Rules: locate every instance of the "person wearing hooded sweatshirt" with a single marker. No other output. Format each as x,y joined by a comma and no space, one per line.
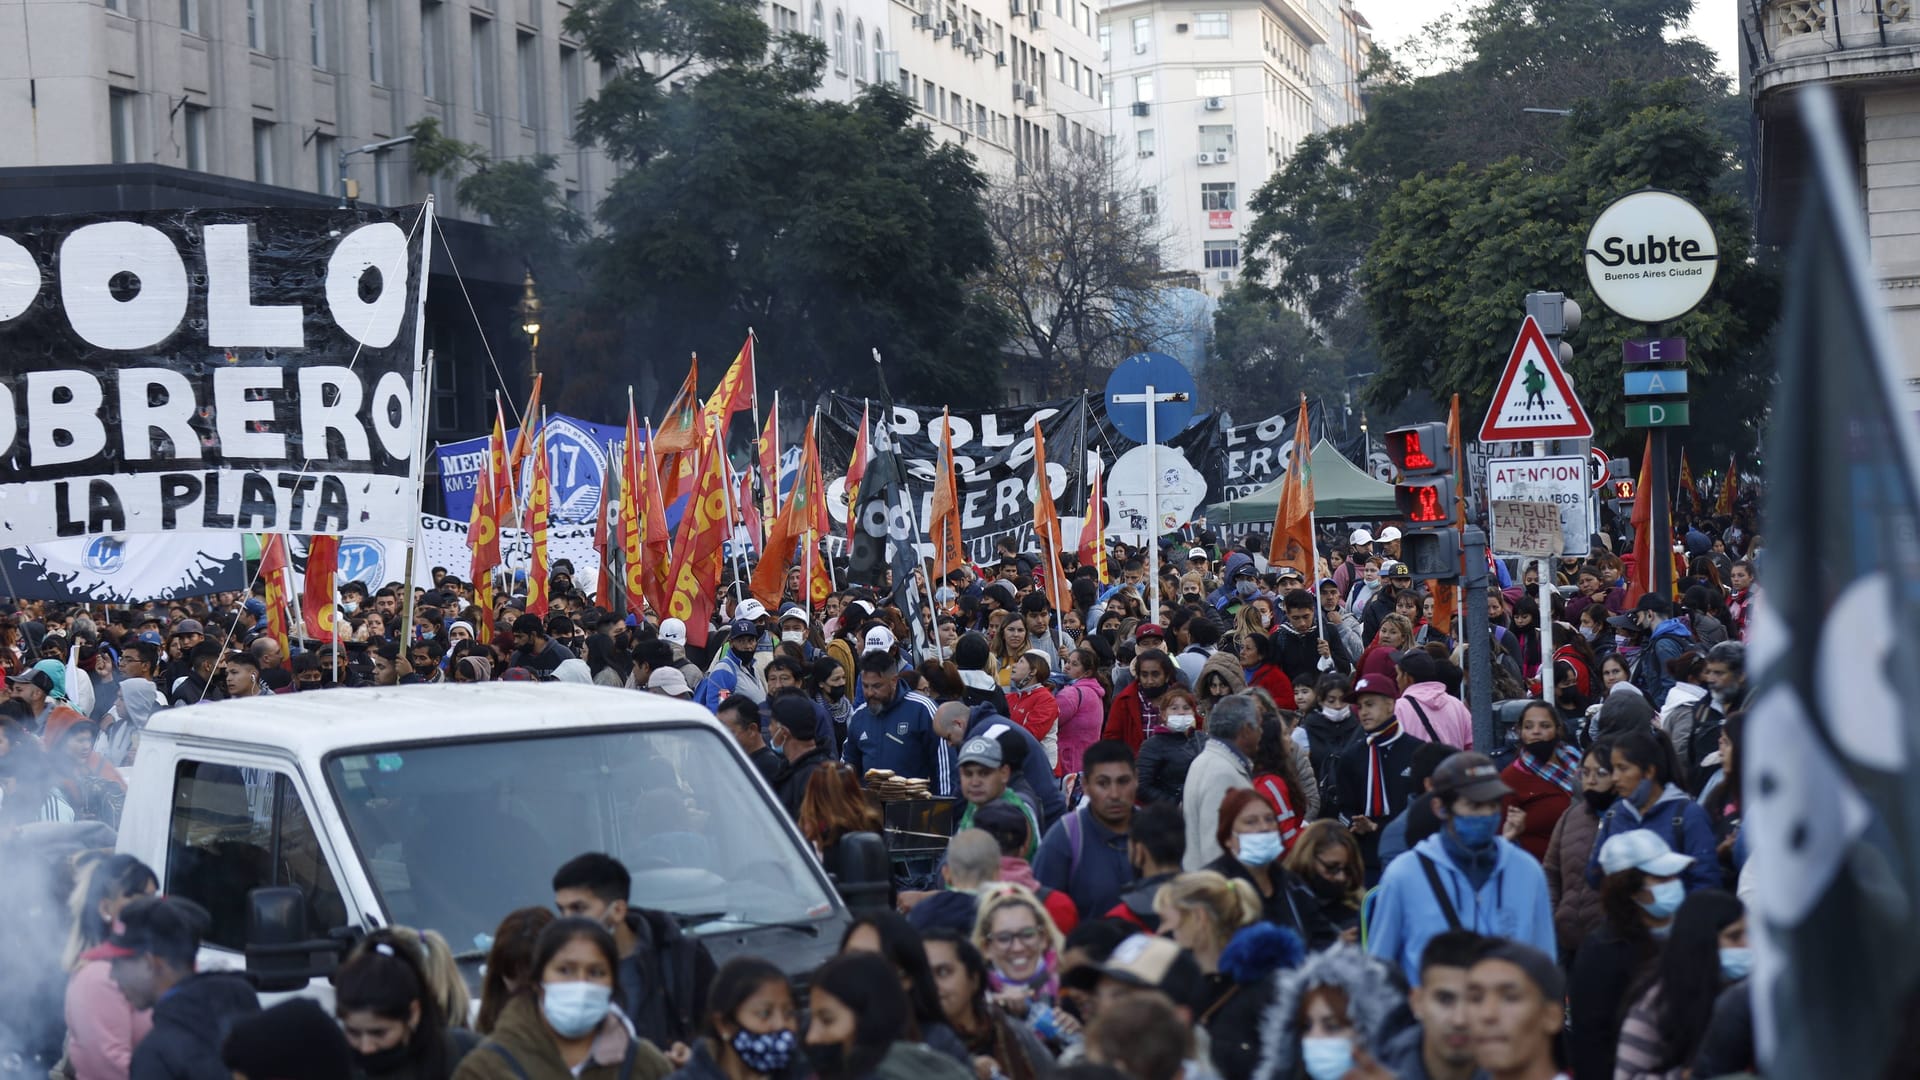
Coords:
1239,582
1667,638
1650,800
152,951
1465,877
1338,1001
1425,710
1330,728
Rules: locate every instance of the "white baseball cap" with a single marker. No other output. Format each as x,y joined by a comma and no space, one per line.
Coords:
1644,850
1196,553
1360,536
1389,534
879,639
673,630
750,609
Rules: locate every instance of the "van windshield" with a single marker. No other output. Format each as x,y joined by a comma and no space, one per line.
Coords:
456,835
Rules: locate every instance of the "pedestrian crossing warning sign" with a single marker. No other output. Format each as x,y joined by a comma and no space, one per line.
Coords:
1535,399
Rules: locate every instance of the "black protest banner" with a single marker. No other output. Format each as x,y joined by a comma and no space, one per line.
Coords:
209,370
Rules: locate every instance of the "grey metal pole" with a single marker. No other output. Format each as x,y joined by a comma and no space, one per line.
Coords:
1473,587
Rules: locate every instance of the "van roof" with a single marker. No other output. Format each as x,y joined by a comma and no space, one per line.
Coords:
314,723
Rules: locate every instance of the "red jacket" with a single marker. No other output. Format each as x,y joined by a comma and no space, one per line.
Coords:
1036,710
1124,719
1270,678
1542,800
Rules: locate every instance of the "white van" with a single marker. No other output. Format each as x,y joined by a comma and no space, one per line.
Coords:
302,821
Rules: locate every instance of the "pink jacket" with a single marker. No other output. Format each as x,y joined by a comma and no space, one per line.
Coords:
102,1029
1083,712
1452,722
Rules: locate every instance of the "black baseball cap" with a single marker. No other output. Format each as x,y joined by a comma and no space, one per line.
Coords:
1470,775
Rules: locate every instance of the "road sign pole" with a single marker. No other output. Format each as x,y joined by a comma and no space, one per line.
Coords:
1473,586
1661,525
1153,504
1547,687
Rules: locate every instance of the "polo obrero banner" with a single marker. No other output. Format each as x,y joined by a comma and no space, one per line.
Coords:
209,370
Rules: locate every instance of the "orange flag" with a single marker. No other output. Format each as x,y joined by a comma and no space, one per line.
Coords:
679,429
1641,582
632,516
483,531
1444,596
277,572
1046,524
856,472
1093,548
540,501
316,598
1292,542
1684,495
657,544
1729,488
948,553
603,539
529,420
812,488
770,465
735,392
698,556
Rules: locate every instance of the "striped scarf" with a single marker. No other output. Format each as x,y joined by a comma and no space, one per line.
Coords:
1562,769
1376,806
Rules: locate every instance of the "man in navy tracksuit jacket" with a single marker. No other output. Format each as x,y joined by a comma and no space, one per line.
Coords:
893,730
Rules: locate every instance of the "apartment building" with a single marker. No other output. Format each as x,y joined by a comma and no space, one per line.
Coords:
1211,98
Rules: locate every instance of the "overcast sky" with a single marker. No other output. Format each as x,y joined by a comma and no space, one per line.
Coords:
1394,21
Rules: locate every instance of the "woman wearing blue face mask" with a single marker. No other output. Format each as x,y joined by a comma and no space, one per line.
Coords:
1639,894
562,1024
1644,776
1334,1005
752,1028
1706,953
1249,835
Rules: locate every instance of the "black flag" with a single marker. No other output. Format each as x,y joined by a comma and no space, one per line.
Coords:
1828,749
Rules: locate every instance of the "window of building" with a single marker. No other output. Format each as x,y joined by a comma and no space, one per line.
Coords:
526,57
120,124
1106,91
1074,10
1212,24
860,50
1149,203
319,19
117,5
1106,41
930,97
480,31
1086,17
326,164
256,25
1060,66
1143,88
1213,82
1221,254
1215,138
377,41
263,151
879,56
570,87
818,26
1147,140
190,16
433,50
1142,33
195,125
235,830
1216,196
839,46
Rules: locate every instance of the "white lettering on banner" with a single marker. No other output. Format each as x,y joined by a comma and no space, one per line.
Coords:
93,257
232,319
63,417
1526,527
236,412
19,278
141,416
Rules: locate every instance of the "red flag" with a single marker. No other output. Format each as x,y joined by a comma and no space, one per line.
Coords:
632,522
1684,497
812,488
277,572
1046,525
658,546
540,500
857,471
1729,488
316,598
770,464
1641,582
697,558
679,429
529,421
948,552
735,392
1292,542
602,529
483,529
797,528
1093,547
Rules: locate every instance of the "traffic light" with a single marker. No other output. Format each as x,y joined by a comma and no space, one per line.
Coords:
1558,316
1424,497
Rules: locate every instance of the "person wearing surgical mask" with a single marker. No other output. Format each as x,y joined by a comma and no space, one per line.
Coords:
751,1029
1640,894
1336,1006
1327,722
1706,953
1170,748
564,1024
1251,849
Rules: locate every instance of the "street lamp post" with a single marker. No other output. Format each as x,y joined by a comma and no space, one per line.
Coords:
348,190
530,323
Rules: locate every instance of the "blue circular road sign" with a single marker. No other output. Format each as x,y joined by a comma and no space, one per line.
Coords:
1130,379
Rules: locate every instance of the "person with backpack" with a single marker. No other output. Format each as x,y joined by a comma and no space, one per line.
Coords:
663,974
1084,854
1643,767
1464,877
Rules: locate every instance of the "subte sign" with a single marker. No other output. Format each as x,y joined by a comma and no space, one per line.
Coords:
1651,256
1559,480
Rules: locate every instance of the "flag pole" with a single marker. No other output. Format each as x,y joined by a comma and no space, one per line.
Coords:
653,474
726,495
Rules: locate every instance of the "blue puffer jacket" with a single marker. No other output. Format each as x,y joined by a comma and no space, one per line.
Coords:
1694,836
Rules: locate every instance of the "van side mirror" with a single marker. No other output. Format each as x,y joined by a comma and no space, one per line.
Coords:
863,872
282,956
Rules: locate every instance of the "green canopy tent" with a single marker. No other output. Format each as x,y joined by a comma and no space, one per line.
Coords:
1340,492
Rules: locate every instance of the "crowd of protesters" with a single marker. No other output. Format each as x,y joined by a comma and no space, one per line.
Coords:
1249,835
